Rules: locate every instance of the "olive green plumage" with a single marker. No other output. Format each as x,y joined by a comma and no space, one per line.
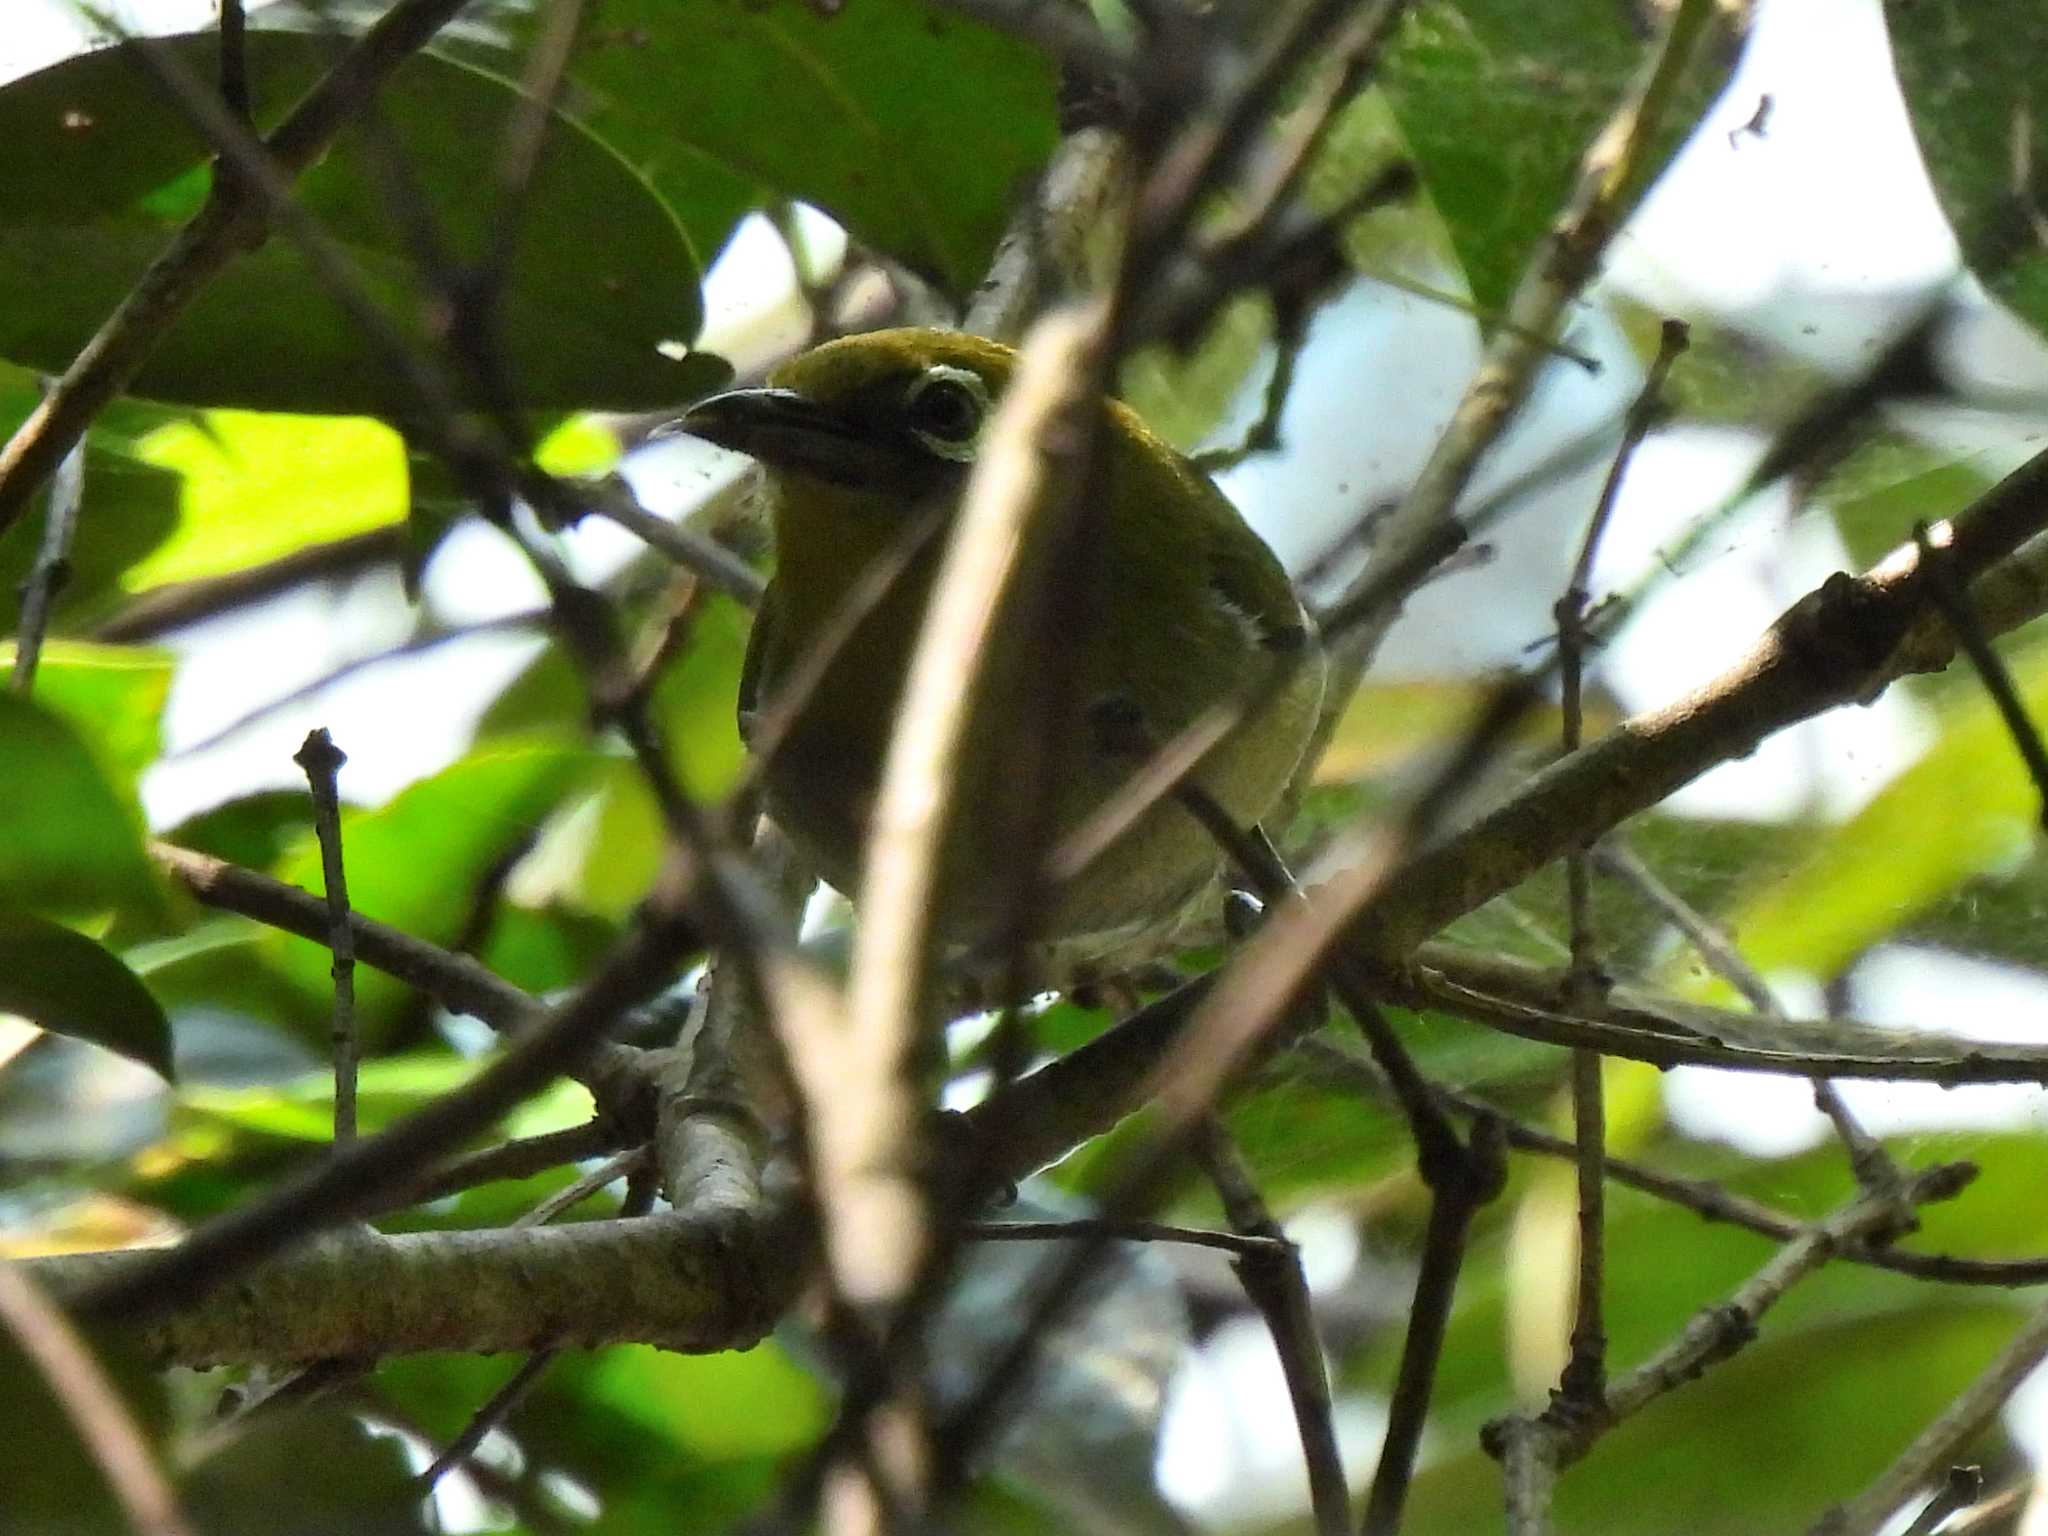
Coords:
865,437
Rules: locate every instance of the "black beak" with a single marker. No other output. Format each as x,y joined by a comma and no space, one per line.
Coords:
789,431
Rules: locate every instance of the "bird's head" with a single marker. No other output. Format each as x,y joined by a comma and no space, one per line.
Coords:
899,412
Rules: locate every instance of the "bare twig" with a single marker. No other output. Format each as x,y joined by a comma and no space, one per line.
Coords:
234,58
520,1158
1937,1444
1274,1283
1585,1372
1997,681
495,1410
1239,1244
322,759
1960,1488
111,1436
52,568
1483,1174
1872,1164
1534,1448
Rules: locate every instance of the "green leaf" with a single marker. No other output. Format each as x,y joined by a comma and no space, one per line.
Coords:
1499,100
252,830
416,863
113,695
67,983
69,843
1966,807
254,486
128,508
1972,81
911,125
98,169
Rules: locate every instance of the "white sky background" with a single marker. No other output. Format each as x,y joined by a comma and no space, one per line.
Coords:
1818,232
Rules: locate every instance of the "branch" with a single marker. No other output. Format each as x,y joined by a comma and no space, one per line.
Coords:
692,1281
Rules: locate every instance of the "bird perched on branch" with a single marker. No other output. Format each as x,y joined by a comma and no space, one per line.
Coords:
1167,605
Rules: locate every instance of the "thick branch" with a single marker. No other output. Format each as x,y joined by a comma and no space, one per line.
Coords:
682,1281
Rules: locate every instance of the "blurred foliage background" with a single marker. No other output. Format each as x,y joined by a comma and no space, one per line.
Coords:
724,178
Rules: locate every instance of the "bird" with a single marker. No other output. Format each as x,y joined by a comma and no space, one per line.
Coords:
866,444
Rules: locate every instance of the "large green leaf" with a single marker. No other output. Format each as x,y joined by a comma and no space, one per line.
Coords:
98,169
909,124
69,841
1499,99
416,863
66,982
1972,78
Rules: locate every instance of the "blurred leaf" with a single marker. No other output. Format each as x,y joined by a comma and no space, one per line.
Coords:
113,695
317,1470
128,508
696,699
544,951
69,841
914,127
54,1485
416,862
98,168
254,486
66,982
251,830
1980,114
1966,807
1499,100
1892,482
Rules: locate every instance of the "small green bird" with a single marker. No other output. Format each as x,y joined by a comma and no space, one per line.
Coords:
867,437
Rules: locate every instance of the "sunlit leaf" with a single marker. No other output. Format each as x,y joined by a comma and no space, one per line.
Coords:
255,485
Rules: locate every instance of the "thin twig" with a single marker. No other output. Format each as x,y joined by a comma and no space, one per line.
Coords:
495,1410
610,1171
109,1431
52,568
1872,1165
520,1158
234,59
1997,681
1451,1209
1274,1284
1585,1371
1937,1444
1961,1488
1534,1448
322,759
1238,1244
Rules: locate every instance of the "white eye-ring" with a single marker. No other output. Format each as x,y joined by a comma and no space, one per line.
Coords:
944,409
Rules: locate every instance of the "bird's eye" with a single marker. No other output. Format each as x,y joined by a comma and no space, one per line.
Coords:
945,407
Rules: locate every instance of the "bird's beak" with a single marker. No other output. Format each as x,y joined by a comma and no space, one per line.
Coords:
786,430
